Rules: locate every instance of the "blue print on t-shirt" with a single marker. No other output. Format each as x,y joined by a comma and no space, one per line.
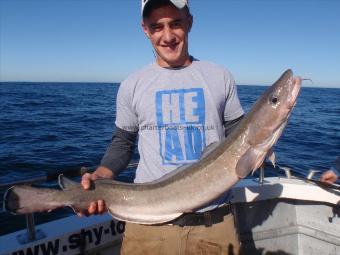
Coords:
180,120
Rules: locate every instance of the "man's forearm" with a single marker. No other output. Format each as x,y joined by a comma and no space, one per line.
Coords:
119,152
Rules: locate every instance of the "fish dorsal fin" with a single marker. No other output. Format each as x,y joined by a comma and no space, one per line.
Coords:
66,183
209,149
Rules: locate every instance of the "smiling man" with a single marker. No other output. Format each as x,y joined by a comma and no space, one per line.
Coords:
177,105
168,30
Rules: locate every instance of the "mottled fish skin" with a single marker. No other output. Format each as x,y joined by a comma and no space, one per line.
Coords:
187,188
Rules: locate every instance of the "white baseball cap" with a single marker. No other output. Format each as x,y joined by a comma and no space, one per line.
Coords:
178,3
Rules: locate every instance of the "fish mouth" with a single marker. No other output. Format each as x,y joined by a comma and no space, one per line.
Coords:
294,87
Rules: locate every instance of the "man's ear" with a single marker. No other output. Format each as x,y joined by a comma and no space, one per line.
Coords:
145,29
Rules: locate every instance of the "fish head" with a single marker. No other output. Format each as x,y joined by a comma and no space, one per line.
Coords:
267,119
281,97
272,110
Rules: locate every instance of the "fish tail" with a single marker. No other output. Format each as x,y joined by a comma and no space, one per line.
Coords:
26,199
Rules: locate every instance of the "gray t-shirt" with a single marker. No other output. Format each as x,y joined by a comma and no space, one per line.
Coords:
177,112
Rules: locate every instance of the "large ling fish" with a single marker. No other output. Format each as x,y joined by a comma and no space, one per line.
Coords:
187,188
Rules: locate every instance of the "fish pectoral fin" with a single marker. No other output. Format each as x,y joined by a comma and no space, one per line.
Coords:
66,183
250,161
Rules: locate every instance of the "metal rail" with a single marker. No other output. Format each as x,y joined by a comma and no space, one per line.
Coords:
54,176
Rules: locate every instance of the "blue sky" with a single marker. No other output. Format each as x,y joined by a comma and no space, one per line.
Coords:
102,41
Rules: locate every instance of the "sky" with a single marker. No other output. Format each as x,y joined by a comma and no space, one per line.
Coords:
102,40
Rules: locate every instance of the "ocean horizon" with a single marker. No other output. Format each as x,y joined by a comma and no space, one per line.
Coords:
304,83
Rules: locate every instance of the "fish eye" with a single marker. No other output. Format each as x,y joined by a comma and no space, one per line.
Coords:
274,99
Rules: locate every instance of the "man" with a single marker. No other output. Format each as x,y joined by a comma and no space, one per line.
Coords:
178,106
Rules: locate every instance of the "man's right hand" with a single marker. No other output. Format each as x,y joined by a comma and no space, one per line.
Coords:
95,207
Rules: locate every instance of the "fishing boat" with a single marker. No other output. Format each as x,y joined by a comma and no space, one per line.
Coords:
274,215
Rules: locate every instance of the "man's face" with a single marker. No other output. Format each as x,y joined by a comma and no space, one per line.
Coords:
167,28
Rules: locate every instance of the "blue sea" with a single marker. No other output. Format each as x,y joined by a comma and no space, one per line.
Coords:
50,128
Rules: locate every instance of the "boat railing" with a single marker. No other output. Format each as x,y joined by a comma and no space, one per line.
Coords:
54,176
